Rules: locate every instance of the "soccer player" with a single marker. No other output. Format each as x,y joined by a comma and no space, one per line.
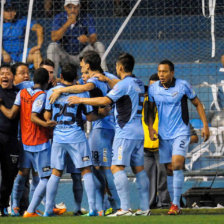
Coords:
69,136
35,138
102,134
128,96
170,96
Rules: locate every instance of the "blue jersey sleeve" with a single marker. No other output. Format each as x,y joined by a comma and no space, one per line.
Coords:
57,22
117,92
48,106
92,80
18,99
38,104
189,91
110,76
151,93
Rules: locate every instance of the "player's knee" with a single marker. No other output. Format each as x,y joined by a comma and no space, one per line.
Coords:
177,166
169,169
116,168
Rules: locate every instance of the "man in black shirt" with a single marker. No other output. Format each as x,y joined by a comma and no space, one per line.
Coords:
9,147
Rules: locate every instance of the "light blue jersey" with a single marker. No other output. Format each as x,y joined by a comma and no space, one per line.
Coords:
128,96
25,85
69,118
101,89
172,107
37,107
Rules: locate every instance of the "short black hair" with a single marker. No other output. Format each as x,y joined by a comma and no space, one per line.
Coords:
47,61
69,72
154,77
127,61
6,65
93,59
8,6
169,63
41,76
16,65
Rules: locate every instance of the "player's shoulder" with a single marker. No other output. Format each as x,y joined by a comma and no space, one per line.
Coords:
182,83
110,75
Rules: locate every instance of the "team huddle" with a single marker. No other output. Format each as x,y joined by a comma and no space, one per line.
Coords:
53,114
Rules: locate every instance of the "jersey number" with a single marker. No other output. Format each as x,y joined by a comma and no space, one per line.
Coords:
140,102
63,111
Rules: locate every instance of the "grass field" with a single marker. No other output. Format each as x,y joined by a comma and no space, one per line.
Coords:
189,216
182,219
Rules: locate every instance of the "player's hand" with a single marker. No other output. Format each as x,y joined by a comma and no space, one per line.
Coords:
153,134
100,77
104,111
6,57
51,124
205,133
71,18
83,39
74,100
34,49
56,93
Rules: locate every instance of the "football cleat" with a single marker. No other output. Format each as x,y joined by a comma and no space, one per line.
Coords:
78,213
109,211
15,211
46,214
142,213
101,213
174,210
91,213
121,212
30,215
4,212
59,211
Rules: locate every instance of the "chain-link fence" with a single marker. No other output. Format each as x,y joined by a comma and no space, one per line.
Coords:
189,33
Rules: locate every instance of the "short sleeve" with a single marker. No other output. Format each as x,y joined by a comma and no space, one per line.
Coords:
89,109
117,92
92,80
151,93
48,106
38,104
18,99
189,91
57,22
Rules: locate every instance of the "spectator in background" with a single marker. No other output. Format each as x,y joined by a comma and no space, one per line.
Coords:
72,34
13,37
159,195
9,146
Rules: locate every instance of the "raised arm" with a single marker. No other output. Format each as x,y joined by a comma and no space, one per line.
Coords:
70,89
40,34
205,130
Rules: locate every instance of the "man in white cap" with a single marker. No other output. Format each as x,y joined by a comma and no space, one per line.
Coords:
72,34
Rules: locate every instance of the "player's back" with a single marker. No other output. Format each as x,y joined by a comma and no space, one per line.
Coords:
128,95
69,128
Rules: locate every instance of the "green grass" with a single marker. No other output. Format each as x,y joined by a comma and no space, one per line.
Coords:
182,219
189,216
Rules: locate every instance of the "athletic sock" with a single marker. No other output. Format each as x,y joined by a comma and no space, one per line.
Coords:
38,195
122,186
18,188
34,183
51,191
77,190
142,182
100,184
170,186
178,180
90,189
115,200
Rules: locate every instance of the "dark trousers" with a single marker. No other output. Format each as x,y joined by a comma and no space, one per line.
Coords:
159,195
9,157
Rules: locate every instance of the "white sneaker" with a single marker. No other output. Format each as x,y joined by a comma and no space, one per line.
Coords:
121,212
142,213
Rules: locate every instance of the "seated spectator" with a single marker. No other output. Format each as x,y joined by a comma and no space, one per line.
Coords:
13,37
73,33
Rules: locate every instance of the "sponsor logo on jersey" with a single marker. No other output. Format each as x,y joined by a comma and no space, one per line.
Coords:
120,153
